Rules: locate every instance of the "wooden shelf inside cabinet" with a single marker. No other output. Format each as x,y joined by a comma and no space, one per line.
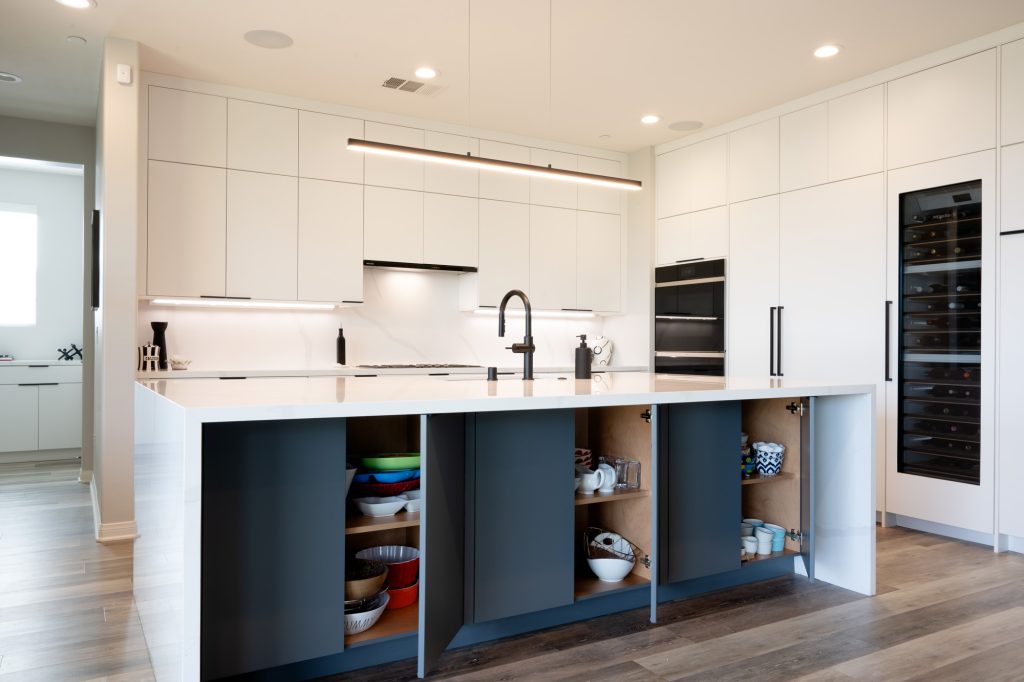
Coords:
404,621
590,586
369,524
786,553
618,494
758,478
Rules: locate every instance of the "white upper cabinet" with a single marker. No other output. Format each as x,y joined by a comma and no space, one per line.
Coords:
553,192
670,182
944,111
1011,190
262,235
709,233
705,180
598,261
263,138
385,171
445,179
552,258
803,149
602,199
754,161
323,147
186,230
504,186
753,284
392,225
504,250
1012,100
330,250
449,230
856,136
187,127
671,239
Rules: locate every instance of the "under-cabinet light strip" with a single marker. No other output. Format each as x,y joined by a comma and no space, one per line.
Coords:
230,303
513,167
519,312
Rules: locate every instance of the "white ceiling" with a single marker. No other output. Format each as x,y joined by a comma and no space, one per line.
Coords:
611,60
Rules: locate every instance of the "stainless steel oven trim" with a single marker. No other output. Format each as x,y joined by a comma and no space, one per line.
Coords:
687,282
685,354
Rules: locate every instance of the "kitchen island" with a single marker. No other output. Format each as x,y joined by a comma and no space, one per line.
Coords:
240,489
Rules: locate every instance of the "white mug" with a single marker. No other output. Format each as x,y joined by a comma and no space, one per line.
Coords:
589,482
610,479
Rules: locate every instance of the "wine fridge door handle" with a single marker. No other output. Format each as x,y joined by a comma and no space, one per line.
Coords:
778,360
771,340
888,330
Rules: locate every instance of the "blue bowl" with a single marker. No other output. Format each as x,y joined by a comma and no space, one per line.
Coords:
395,476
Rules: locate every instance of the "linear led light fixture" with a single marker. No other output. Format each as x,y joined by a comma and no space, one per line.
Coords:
468,161
519,312
239,303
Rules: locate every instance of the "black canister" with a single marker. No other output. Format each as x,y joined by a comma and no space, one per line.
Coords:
160,340
584,357
341,346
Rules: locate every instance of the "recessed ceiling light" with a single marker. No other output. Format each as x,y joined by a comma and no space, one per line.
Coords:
684,126
9,77
650,119
78,4
425,72
826,51
76,40
271,40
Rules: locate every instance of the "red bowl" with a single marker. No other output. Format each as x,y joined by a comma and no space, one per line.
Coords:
403,597
383,489
402,571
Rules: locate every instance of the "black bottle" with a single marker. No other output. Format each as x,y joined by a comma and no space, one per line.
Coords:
584,356
341,346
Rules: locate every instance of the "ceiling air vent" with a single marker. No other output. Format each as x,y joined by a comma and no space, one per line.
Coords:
393,82
405,85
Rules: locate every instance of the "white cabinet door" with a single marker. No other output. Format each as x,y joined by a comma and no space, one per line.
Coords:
1012,97
445,179
19,418
1011,386
323,147
803,148
708,234
387,171
330,249
856,136
392,225
598,261
449,230
187,230
671,239
1011,194
705,178
504,250
752,285
670,183
60,416
263,138
262,248
754,161
504,186
553,192
187,127
602,199
552,258
944,111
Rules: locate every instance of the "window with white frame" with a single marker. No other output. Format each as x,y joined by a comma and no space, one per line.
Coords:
19,246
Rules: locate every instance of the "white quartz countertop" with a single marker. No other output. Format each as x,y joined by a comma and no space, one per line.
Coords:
355,370
40,363
350,396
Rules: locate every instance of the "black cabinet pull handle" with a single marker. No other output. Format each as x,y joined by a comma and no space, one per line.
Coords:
779,361
41,384
771,341
888,368
689,260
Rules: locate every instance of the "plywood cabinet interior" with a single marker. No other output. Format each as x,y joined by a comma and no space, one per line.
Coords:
262,235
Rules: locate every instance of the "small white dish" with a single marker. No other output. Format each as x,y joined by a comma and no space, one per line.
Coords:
380,506
414,498
610,570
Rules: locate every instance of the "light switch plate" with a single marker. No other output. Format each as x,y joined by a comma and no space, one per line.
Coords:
124,74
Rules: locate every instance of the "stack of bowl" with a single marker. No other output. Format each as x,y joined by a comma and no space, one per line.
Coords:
758,537
365,595
403,565
386,484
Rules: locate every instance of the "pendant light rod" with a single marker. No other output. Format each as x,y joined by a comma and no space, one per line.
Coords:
468,161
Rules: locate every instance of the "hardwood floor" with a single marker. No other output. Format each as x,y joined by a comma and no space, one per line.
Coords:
946,610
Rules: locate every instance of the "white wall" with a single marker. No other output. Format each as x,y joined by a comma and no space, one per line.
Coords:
58,201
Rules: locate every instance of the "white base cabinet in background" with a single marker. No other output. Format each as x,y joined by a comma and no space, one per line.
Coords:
40,408
19,428
60,416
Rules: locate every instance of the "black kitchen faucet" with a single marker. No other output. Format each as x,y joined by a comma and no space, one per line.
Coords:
526,347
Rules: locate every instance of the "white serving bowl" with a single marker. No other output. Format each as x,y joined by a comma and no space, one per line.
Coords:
610,570
361,622
380,506
414,498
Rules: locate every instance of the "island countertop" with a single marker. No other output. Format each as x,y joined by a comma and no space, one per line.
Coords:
214,400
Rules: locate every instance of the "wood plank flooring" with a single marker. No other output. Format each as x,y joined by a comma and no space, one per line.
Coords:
946,610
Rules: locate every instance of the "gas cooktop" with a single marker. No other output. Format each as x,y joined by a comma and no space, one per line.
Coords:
422,366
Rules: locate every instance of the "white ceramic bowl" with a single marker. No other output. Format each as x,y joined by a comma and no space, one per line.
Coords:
610,570
380,506
361,622
414,498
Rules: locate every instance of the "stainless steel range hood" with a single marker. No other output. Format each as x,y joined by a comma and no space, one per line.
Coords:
418,266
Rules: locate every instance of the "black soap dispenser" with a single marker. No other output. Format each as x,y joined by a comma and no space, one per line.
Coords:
341,346
584,356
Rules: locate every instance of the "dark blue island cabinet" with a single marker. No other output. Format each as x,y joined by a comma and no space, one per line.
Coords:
501,531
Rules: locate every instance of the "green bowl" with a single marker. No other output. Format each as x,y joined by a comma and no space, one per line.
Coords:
395,462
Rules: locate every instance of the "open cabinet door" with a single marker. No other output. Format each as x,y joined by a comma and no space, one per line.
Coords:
806,487
442,534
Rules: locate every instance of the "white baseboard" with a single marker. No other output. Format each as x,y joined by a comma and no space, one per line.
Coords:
1010,543
40,456
85,476
941,529
122,531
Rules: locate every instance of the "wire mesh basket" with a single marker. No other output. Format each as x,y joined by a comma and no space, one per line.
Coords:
600,543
